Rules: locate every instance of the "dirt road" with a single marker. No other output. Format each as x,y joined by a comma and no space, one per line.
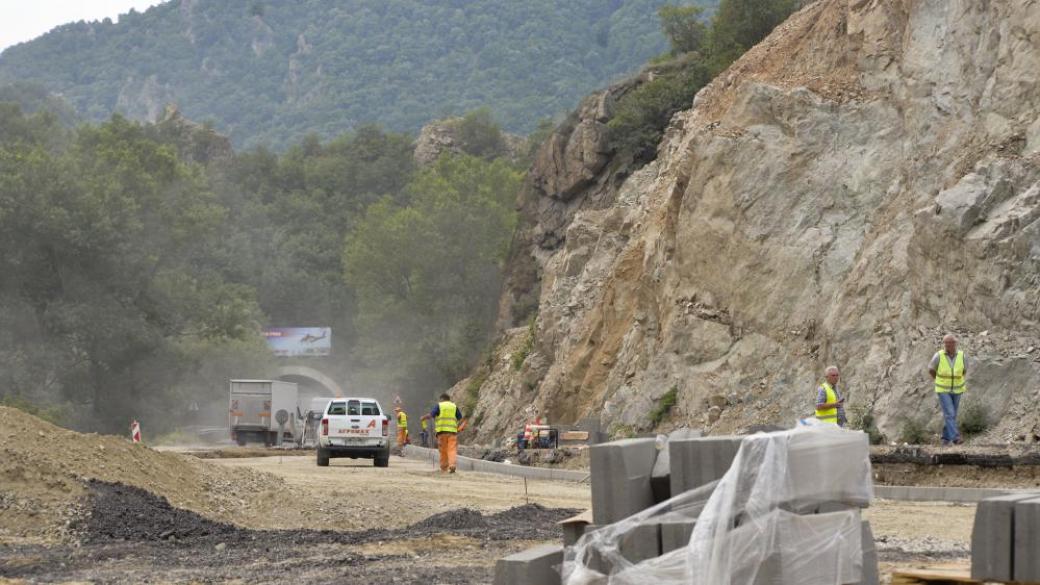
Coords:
361,496
354,523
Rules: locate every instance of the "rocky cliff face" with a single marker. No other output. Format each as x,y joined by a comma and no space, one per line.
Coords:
862,181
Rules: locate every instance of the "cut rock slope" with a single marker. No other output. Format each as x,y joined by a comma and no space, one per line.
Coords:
862,181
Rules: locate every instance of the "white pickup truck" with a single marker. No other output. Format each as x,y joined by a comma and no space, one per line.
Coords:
355,428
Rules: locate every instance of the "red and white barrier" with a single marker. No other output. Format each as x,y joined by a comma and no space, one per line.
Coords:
135,431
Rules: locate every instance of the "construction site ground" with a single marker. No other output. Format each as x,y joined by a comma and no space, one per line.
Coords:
354,523
100,509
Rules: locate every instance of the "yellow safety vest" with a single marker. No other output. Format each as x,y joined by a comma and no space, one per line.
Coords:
423,423
402,420
446,422
828,414
947,379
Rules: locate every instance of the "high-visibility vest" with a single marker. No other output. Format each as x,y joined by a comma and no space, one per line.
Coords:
446,422
402,420
949,379
423,423
828,414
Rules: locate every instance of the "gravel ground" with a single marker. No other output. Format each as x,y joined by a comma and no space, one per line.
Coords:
129,535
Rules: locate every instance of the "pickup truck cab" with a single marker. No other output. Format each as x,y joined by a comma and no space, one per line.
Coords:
355,428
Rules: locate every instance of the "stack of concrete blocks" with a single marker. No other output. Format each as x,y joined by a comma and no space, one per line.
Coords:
1005,539
629,476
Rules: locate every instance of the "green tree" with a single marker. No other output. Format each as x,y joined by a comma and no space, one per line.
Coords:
682,27
427,273
104,247
739,25
480,135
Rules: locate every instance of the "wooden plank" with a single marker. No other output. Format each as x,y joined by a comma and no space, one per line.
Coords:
932,576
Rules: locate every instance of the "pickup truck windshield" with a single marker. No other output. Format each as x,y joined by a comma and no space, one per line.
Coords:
338,408
369,409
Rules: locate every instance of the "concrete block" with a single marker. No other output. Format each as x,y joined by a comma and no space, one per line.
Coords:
695,462
1025,559
810,550
535,566
621,472
993,537
638,544
574,527
661,478
834,468
641,543
675,534
870,574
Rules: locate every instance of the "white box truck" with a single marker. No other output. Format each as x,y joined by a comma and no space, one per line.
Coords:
264,411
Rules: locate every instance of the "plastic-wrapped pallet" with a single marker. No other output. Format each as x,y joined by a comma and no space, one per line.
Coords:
743,535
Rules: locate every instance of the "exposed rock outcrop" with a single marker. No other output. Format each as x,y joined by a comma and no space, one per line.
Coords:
864,180
442,136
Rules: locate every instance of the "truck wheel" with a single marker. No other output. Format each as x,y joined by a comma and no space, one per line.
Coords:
383,459
323,458
240,438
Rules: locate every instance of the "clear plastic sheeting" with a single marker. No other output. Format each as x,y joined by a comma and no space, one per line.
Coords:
750,527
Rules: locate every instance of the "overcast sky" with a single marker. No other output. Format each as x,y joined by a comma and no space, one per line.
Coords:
22,20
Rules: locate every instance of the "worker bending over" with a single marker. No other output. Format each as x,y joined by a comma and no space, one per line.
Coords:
830,405
948,370
447,422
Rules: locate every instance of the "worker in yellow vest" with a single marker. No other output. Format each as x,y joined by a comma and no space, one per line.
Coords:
423,434
402,427
830,405
447,423
948,370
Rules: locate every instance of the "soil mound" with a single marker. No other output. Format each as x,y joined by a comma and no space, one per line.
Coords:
43,469
123,512
461,519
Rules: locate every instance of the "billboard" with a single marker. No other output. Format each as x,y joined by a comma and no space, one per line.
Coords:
299,341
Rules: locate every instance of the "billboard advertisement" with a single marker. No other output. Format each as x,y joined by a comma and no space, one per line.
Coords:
299,341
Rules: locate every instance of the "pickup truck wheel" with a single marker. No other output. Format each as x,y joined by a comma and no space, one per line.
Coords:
382,461
323,458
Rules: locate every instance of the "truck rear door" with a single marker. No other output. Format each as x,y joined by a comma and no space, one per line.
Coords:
356,423
250,406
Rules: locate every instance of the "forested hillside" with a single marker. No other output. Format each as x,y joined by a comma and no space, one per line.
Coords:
268,72
140,261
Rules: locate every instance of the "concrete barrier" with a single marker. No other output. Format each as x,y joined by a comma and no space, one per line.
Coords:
903,493
481,466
